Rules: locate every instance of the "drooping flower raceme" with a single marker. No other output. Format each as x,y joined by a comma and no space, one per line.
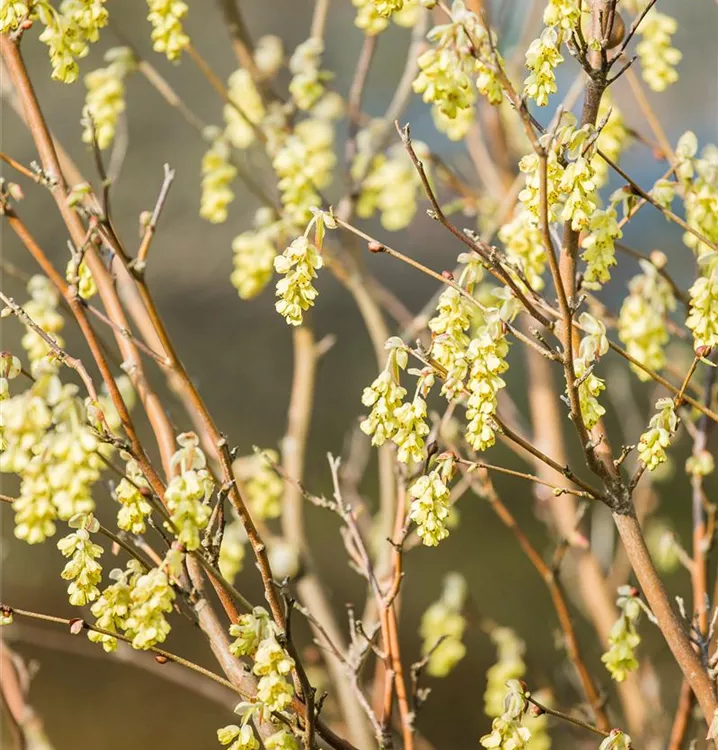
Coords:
703,315
599,251
307,84
385,396
487,361
218,174
256,636
653,443
620,659
168,36
658,58
105,99
245,112
132,494
430,502
642,319
151,598
442,627
83,570
298,265
261,483
113,605
187,493
524,246
232,550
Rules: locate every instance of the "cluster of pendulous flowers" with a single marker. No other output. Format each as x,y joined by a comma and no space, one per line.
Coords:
256,636
620,659
442,627
187,493
653,443
462,59
430,501
260,482
49,442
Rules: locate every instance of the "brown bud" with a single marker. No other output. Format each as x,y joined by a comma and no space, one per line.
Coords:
535,711
618,31
160,659
703,351
658,154
77,625
375,247
447,275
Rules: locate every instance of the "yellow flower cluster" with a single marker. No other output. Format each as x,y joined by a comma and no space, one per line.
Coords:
372,22
699,179
67,32
13,13
703,314
411,427
307,84
616,740
507,730
113,605
188,492
524,247
385,396
450,340
168,36
238,737
232,551
449,71
261,484
612,140
218,173
151,598
658,58
82,569
430,496
57,467
392,186
105,99
542,58
132,493
620,659
304,162
599,249
510,665
298,265
254,252
248,110
256,637
486,356
442,627
642,319
653,443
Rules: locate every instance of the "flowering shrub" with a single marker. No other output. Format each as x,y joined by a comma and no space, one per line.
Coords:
537,232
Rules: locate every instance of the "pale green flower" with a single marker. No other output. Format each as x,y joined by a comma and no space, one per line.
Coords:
168,36
653,443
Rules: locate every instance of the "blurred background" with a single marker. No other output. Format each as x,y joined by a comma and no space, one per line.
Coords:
240,355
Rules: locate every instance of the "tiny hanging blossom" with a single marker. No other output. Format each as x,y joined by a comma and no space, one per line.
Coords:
298,264
151,598
242,119
307,84
13,13
653,443
218,174
524,247
262,485
620,659
113,605
105,98
590,387
81,277
599,252
187,494
658,58
703,314
507,730
385,396
82,569
642,319
233,550
132,494
578,185
168,36
430,501
249,631
411,420
487,360
442,627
